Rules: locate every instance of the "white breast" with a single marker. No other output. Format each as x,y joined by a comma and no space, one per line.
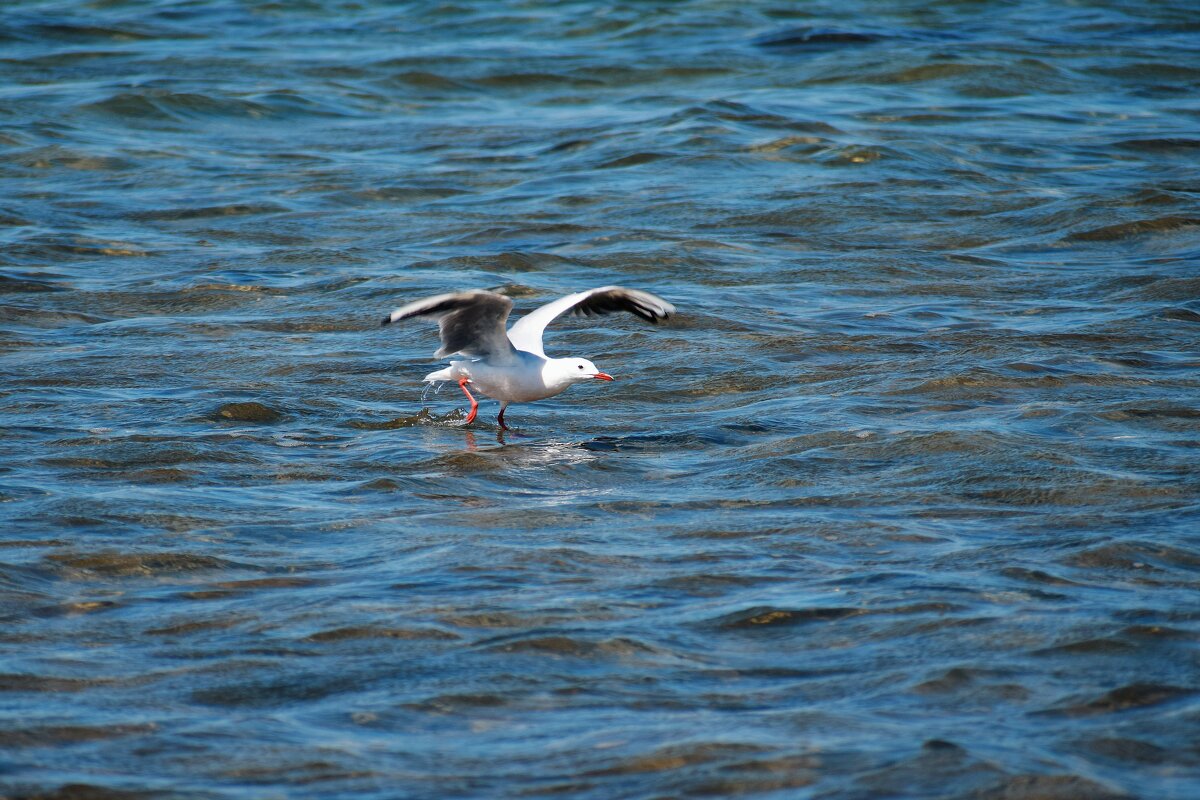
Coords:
521,382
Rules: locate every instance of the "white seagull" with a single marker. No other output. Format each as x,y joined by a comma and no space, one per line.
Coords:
511,366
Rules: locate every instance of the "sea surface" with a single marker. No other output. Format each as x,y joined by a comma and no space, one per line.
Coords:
903,503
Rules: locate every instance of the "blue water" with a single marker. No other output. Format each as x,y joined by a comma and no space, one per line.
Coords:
903,503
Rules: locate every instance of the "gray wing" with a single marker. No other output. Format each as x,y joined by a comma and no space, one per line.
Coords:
526,333
471,323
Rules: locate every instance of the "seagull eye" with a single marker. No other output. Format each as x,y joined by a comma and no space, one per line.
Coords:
580,366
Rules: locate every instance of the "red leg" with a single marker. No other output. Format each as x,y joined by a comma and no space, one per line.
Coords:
500,418
462,384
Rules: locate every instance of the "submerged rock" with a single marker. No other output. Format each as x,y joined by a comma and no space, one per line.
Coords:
248,412
422,417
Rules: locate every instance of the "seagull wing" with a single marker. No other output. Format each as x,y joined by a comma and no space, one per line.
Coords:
526,334
471,323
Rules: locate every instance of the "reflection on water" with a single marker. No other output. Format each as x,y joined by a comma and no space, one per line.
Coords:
901,504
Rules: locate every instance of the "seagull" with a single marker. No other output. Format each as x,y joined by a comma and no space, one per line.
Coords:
511,366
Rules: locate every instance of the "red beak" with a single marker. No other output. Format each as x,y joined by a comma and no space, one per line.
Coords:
603,376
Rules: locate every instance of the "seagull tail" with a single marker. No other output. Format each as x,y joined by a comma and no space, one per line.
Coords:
440,375
451,373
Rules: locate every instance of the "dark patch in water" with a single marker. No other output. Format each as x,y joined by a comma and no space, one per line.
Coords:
1135,696
370,632
1050,787
1141,227
1158,145
10,285
119,565
60,735
88,791
804,39
774,617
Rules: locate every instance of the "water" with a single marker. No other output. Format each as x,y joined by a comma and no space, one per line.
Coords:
902,504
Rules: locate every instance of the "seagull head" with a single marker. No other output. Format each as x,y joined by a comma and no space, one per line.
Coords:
578,370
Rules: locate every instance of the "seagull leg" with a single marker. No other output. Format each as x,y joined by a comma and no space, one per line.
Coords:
500,418
462,384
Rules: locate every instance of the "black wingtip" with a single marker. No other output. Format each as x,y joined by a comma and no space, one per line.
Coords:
386,320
